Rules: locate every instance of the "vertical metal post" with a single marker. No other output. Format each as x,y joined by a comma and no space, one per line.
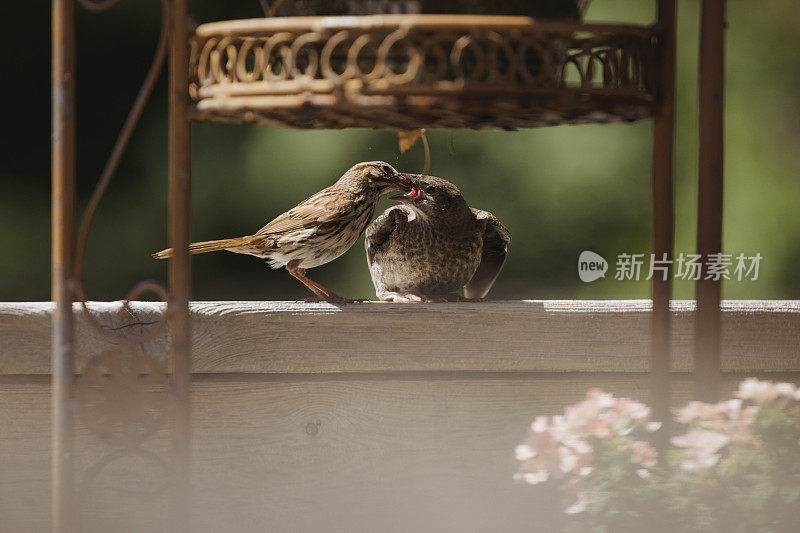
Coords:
663,215
63,219
179,266
710,188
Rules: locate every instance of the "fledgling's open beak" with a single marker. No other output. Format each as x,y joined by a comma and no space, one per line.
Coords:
408,183
413,196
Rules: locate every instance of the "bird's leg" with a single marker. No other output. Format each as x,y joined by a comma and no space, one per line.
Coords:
323,294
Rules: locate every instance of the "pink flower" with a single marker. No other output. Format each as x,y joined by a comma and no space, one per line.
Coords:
727,417
539,425
567,459
695,411
580,446
652,426
786,389
523,452
701,439
600,429
533,477
539,442
696,461
762,392
599,398
559,447
644,454
634,410
701,447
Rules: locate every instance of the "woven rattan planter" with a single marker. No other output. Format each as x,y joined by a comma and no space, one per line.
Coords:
415,71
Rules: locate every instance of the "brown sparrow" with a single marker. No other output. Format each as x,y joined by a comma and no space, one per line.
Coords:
317,230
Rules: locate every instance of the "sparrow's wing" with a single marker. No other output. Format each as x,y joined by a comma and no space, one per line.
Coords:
496,239
322,207
381,229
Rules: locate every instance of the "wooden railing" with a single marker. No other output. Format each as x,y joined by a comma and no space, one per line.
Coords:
503,336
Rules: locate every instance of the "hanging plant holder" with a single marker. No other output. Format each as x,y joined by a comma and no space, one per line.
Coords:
421,71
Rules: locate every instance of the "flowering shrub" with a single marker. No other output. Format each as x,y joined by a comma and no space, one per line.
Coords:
735,465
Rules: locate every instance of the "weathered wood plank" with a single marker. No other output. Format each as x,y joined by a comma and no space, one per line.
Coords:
426,452
509,336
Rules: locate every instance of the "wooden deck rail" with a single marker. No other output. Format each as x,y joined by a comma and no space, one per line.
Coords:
524,336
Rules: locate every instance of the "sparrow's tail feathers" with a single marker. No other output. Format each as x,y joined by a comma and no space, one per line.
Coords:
211,246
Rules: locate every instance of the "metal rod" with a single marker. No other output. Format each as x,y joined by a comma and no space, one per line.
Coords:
121,144
663,216
179,265
710,188
63,219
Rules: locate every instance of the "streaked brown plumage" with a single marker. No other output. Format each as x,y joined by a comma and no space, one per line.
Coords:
319,229
434,246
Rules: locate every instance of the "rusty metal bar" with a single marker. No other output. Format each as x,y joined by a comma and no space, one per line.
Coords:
63,219
663,215
710,189
121,144
179,265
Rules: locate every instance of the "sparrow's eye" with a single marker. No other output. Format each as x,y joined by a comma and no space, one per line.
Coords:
387,170
430,189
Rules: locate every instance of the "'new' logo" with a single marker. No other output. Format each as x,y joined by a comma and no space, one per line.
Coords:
591,266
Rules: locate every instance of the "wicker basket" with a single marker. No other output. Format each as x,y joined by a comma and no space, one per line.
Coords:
415,71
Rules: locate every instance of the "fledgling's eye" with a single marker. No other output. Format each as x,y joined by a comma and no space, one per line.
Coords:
387,170
430,189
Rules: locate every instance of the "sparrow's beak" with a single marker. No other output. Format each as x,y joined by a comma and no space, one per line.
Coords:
406,181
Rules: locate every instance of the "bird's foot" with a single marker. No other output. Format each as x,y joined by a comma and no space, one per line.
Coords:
398,297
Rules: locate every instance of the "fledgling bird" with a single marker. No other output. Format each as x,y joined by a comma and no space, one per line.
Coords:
319,229
434,245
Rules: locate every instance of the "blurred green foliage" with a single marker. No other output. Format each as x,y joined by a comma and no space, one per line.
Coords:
559,190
